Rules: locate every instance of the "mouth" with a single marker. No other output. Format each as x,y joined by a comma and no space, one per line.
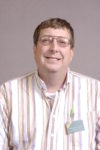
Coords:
53,58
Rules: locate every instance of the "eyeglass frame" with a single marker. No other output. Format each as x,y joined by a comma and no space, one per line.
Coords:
52,39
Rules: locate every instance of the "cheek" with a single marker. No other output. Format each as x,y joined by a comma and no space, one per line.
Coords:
68,56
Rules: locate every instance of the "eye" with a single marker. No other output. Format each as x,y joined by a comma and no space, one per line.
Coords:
62,41
45,40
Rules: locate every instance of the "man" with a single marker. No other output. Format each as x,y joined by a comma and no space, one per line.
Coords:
53,108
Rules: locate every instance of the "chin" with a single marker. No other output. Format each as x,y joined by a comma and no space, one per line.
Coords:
52,70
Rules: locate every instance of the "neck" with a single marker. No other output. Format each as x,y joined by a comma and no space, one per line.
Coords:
53,81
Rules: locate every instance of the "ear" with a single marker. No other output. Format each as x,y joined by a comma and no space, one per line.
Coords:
34,49
72,53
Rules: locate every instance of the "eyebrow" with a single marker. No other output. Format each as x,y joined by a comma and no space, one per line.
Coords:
53,36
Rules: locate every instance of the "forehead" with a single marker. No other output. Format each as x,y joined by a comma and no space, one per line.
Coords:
55,32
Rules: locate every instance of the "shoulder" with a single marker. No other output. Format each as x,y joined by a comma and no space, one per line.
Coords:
19,78
17,82
81,77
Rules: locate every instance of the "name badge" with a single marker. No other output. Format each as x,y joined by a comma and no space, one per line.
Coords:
74,126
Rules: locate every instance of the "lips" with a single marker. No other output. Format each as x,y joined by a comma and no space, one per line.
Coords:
53,58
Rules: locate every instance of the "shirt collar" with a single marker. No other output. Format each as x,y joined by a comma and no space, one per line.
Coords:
41,84
68,79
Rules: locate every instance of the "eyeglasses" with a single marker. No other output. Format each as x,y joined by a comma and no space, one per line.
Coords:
48,39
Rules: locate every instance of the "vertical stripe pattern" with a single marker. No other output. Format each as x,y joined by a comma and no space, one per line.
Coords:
28,123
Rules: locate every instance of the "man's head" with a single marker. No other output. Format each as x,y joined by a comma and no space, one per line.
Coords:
53,46
55,23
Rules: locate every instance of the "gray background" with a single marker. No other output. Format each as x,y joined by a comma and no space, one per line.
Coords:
18,19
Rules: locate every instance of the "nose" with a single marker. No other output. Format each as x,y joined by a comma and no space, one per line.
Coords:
54,46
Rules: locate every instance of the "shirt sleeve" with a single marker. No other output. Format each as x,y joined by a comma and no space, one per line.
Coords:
98,119
3,120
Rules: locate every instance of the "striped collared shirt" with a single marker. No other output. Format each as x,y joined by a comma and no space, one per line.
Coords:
28,123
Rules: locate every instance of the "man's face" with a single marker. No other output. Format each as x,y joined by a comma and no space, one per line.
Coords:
53,57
